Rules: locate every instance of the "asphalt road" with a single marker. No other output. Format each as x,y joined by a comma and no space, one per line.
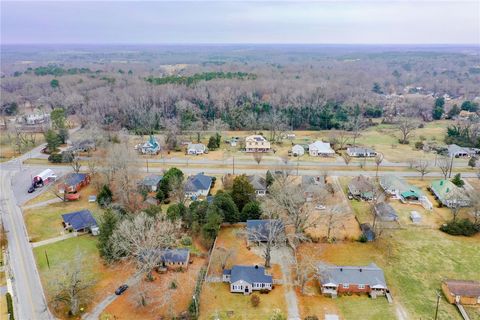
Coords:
28,295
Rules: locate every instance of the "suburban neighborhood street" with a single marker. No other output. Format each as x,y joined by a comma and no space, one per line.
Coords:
28,295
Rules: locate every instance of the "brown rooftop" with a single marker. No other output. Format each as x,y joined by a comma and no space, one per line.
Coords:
465,288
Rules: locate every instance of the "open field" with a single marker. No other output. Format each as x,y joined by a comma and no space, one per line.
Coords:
46,222
106,278
8,150
164,300
414,261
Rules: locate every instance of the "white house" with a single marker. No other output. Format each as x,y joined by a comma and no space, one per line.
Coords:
361,152
298,150
196,148
245,279
256,143
198,185
319,148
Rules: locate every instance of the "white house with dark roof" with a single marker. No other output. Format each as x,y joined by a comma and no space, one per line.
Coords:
320,149
198,185
245,279
361,152
460,152
196,148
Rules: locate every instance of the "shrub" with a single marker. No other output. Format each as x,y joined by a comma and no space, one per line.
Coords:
311,318
457,180
55,158
105,196
160,195
419,145
363,238
173,285
186,241
460,228
10,305
255,300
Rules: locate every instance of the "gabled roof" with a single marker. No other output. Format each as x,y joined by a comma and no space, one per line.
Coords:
152,143
73,178
385,211
255,137
257,182
321,147
166,255
80,219
360,150
298,148
259,229
361,185
198,182
445,190
391,182
250,274
370,275
196,146
151,180
464,288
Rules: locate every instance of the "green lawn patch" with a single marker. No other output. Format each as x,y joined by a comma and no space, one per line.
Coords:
353,307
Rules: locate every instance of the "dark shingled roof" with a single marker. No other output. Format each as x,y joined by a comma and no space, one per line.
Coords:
72,179
248,274
464,288
166,255
80,219
261,228
385,211
370,275
198,182
367,231
152,180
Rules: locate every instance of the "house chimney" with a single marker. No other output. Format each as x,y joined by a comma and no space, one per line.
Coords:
256,266
341,269
360,269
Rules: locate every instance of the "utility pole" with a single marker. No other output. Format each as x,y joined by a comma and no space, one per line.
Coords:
233,165
438,301
147,164
46,257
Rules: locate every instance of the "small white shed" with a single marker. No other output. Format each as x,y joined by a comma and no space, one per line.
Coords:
298,150
415,217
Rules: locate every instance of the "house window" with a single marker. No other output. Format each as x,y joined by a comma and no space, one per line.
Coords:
346,285
361,286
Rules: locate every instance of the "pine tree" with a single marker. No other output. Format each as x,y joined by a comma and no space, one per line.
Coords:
107,226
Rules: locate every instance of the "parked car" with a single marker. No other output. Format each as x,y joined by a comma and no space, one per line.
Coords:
320,207
31,189
121,289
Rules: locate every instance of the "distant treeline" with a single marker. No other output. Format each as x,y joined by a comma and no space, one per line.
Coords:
205,76
55,70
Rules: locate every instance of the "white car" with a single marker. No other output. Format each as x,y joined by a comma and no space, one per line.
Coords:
320,207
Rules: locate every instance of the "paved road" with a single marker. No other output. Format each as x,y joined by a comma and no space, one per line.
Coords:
29,299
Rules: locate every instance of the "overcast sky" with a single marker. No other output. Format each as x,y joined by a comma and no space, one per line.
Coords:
140,22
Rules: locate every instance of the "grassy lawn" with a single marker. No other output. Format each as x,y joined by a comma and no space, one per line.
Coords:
3,307
106,278
217,302
46,222
414,264
44,196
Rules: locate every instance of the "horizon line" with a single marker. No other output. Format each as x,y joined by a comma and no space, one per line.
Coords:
241,43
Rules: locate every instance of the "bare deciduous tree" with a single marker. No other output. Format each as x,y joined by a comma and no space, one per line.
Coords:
378,161
346,158
70,282
444,164
423,167
306,270
334,219
406,126
269,236
257,156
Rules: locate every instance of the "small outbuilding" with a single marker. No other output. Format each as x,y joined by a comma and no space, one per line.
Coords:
151,182
196,148
298,150
415,217
367,232
465,292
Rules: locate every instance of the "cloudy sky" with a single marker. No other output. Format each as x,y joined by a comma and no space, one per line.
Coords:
323,22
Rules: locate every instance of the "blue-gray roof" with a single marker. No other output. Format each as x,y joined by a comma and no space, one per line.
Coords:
367,231
259,229
198,182
72,179
152,180
370,275
80,220
249,274
166,255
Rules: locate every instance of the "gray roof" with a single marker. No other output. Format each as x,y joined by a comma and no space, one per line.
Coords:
370,275
248,274
80,220
152,180
385,211
166,255
261,228
360,150
360,185
257,182
198,182
196,146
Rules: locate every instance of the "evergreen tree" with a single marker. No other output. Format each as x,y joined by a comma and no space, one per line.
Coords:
226,207
213,221
269,178
472,162
52,139
457,180
218,138
242,191
105,196
251,211
107,226
212,143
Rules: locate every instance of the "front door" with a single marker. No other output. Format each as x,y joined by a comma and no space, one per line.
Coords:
246,290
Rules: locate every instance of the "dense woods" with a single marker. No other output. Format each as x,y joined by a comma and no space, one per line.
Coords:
150,89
